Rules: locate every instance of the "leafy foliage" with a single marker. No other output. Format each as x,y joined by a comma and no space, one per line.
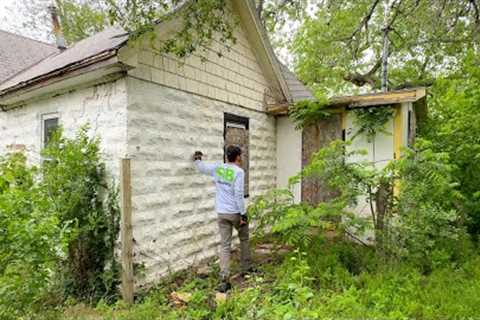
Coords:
57,222
454,128
74,177
340,46
31,237
371,121
306,112
330,280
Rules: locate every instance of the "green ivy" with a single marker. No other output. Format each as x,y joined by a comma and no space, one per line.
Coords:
307,112
372,120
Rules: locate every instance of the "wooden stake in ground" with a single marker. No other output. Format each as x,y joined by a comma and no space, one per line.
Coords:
126,234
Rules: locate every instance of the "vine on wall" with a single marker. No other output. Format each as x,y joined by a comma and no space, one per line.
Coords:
372,120
307,112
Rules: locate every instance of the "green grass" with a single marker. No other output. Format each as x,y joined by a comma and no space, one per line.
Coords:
333,280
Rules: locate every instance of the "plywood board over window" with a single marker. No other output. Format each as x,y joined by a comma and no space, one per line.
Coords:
314,138
236,133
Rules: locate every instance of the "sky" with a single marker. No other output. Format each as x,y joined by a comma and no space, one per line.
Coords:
12,19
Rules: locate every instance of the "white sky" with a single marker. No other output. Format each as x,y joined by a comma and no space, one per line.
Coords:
11,19
5,15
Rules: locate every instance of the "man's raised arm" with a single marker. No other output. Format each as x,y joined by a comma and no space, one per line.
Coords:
203,167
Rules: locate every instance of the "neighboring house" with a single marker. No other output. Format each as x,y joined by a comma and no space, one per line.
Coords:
157,111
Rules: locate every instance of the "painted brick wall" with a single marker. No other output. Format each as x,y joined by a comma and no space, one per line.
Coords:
102,106
236,77
173,205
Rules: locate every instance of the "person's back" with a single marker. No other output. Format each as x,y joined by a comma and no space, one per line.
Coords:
229,180
229,204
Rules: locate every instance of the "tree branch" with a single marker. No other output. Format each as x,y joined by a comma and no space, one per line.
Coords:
365,20
476,10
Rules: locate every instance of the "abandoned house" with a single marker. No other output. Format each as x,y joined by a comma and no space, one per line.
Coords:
156,111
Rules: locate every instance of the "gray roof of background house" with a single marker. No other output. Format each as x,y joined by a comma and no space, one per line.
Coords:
107,40
18,53
298,90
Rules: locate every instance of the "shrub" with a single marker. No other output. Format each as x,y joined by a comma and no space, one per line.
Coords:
74,178
56,222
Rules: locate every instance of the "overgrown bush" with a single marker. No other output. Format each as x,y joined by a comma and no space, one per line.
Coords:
429,228
58,221
31,237
413,205
454,129
74,177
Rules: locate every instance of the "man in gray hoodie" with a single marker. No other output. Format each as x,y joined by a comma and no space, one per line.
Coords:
229,203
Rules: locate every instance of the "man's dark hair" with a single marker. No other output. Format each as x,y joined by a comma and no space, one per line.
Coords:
233,152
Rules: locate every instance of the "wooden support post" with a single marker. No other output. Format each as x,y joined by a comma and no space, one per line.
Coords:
126,234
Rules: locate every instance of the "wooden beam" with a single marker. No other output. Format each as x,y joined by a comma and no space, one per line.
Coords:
126,232
277,110
392,97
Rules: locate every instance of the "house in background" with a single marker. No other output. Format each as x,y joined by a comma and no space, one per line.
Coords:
157,110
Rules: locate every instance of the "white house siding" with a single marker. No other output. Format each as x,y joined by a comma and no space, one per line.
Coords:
173,205
235,78
102,106
379,151
174,108
289,154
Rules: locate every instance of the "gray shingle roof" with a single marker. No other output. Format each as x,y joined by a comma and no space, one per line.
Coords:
298,90
109,39
18,53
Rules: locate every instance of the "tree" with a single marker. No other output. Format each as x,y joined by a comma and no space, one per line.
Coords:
202,20
340,47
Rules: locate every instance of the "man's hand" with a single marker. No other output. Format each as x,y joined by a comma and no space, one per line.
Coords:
243,220
197,155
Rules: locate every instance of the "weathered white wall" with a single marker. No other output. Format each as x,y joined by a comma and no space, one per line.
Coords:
174,222
102,106
236,77
289,154
379,151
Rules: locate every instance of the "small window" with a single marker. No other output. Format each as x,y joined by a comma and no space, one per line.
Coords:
49,126
236,133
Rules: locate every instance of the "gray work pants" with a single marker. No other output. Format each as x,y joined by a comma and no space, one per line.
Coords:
226,222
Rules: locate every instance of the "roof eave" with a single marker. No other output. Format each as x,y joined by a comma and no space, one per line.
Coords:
379,99
97,71
265,43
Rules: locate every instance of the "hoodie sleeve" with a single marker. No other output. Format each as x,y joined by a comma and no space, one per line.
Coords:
205,168
239,191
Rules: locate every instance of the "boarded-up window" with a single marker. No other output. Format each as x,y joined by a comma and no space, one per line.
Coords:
236,133
49,126
314,138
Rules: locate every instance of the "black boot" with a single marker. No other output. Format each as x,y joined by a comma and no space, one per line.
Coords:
224,286
249,271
